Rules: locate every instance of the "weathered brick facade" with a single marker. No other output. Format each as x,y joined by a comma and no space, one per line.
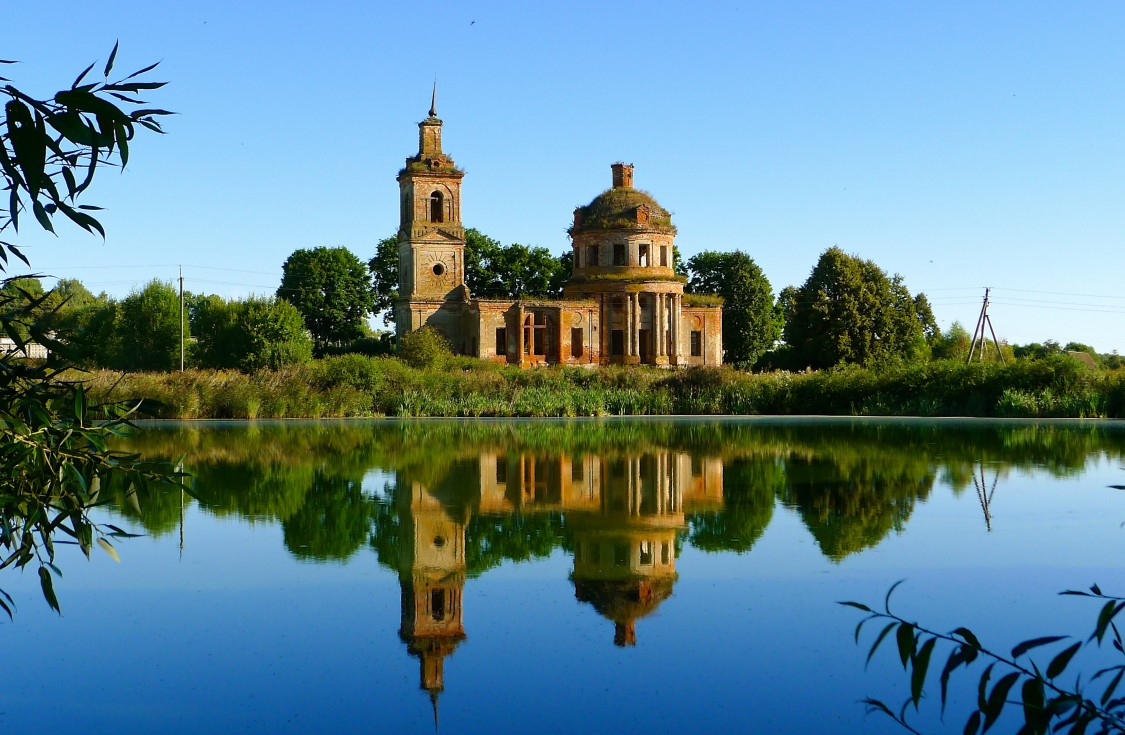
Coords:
623,304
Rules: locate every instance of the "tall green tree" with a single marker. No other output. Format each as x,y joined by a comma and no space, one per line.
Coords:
332,290
384,277
211,319
849,311
751,320
148,328
513,271
271,334
250,334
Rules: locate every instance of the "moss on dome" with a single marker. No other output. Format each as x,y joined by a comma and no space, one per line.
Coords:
617,209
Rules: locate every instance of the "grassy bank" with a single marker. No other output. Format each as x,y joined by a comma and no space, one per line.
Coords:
355,386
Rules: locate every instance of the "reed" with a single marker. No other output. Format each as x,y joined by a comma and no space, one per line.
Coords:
361,386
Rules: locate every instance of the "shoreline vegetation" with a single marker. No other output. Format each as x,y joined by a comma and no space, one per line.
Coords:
356,386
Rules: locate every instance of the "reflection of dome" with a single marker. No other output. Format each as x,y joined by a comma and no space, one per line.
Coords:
623,207
624,601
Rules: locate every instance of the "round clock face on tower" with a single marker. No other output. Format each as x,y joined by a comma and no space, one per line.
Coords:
436,270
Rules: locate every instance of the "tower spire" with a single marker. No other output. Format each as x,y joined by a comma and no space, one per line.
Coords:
433,101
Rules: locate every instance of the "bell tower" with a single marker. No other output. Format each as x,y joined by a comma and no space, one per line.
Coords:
431,239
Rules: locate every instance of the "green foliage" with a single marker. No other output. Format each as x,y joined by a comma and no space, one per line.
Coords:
954,344
384,277
21,306
751,323
55,461
332,290
458,386
1047,702
617,209
51,148
492,271
1037,351
147,331
271,334
424,348
509,272
849,311
211,319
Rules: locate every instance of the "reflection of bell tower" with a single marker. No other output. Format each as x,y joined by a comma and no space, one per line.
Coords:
431,240
431,573
625,555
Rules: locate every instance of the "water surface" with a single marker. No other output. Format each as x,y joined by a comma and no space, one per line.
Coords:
549,576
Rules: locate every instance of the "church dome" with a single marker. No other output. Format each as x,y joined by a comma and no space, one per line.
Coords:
622,207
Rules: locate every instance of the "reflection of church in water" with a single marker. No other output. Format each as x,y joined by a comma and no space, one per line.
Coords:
624,513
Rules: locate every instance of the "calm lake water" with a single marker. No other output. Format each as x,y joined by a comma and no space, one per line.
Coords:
559,576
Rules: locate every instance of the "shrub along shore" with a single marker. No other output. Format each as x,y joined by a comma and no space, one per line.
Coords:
360,386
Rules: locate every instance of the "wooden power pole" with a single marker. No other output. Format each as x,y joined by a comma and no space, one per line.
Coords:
181,318
978,333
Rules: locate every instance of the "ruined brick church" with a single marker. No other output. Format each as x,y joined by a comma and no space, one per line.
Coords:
624,303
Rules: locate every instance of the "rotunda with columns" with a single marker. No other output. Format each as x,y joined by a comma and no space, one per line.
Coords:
623,260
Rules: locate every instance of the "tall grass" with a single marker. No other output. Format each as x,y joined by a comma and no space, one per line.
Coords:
357,386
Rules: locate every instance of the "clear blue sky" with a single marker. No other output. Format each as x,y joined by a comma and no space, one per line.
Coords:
960,144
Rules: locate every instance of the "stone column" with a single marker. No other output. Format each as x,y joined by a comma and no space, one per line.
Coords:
603,330
676,314
634,321
519,335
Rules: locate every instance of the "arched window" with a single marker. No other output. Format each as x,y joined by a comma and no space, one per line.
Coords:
437,207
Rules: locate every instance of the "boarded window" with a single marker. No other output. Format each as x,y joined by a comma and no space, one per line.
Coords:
664,256
592,256
696,343
642,255
617,342
576,342
577,469
665,553
619,254
501,341
501,470
620,555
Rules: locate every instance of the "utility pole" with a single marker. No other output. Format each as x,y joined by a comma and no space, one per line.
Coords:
181,318
978,333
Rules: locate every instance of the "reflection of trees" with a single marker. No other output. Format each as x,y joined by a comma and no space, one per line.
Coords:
493,539
332,523
155,507
852,506
749,488
852,481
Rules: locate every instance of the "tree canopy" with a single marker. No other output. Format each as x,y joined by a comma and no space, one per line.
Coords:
251,334
492,271
497,271
849,311
147,330
751,320
331,289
